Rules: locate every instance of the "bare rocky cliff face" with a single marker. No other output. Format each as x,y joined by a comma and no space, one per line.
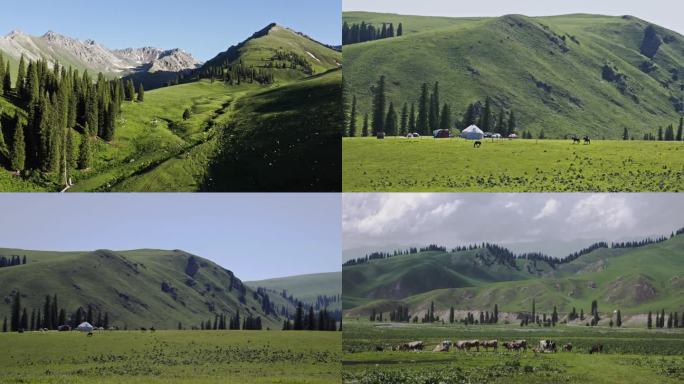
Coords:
92,56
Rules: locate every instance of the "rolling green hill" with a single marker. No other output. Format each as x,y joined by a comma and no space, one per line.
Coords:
305,287
634,280
138,288
240,136
571,74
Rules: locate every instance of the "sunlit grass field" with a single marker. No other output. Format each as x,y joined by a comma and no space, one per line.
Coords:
171,357
427,164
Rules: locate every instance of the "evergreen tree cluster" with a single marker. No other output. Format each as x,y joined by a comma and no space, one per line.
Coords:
311,321
60,103
12,260
361,32
400,314
663,320
51,316
232,74
290,60
667,134
428,116
504,256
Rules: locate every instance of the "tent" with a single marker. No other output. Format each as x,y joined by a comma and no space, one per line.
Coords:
472,133
512,136
85,327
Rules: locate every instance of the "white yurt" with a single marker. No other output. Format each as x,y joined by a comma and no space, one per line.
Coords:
85,327
472,133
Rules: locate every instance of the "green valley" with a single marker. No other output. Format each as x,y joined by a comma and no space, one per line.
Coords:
266,108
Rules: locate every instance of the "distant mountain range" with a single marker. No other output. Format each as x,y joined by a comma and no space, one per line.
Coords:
92,56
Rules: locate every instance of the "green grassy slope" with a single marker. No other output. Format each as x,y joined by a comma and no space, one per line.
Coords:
258,50
283,139
524,65
129,285
407,275
634,280
304,287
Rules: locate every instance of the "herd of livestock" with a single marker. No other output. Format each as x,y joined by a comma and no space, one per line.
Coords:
544,346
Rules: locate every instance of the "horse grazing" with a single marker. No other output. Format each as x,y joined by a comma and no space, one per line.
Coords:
567,347
596,348
587,140
575,140
477,144
90,334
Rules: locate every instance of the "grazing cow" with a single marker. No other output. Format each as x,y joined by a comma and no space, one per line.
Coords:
467,344
412,346
547,346
489,344
567,347
477,144
596,348
587,140
443,346
575,140
90,334
515,345
379,348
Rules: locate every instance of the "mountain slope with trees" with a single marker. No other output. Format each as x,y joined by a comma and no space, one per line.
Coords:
178,137
138,288
634,277
602,76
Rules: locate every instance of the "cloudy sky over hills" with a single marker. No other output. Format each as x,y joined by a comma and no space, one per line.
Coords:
556,224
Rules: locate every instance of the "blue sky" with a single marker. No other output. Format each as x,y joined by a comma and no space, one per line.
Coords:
202,27
666,13
255,235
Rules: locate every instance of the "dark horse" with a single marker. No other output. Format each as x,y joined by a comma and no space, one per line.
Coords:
477,144
587,140
575,140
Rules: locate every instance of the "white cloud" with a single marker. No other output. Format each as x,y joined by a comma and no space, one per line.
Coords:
550,207
602,212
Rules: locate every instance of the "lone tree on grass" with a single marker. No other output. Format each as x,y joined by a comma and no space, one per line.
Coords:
141,93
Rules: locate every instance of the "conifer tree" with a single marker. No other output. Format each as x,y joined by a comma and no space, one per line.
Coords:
445,117
412,119
512,124
649,322
625,136
130,90
15,315
400,30
84,155
21,76
364,129
451,315
7,80
378,122
24,323
4,325
487,116
391,121
433,112
141,93
404,120
679,129
352,118
18,153
2,74
422,121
